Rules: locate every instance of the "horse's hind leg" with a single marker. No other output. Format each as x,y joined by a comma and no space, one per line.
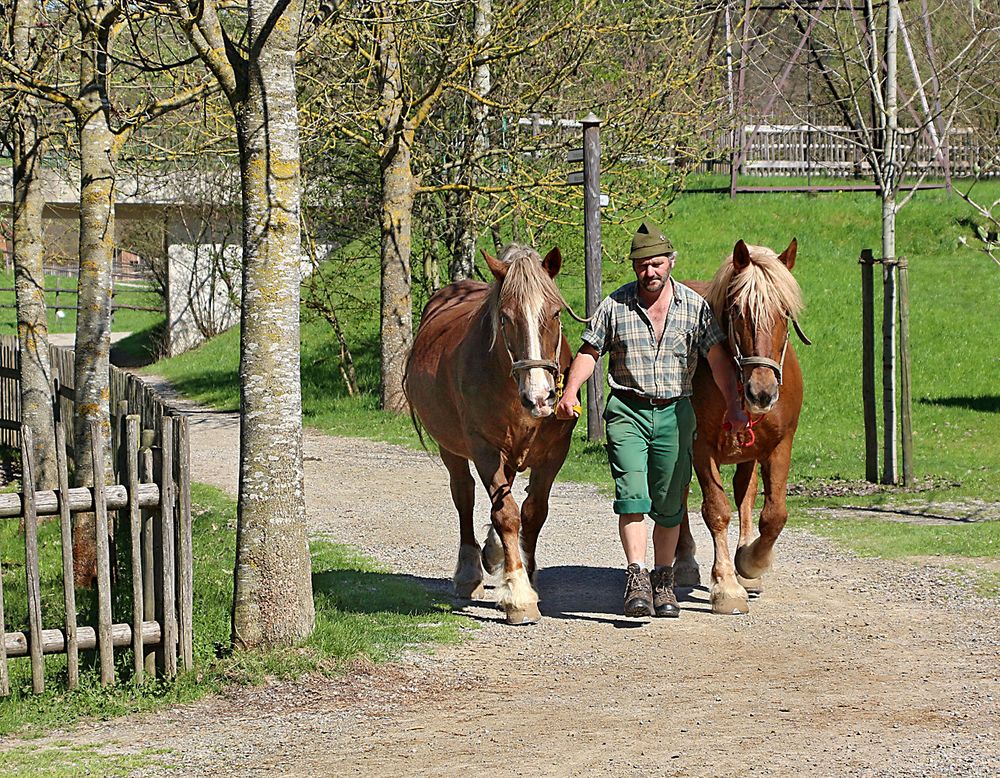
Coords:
686,572
468,578
754,559
745,494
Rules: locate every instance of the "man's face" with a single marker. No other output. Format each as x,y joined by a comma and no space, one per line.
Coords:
653,273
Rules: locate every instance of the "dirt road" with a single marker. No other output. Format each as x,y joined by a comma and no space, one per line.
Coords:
844,667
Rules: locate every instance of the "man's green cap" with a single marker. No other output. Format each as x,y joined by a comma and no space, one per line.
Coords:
649,241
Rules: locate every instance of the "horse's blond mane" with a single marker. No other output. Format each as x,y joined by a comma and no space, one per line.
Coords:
765,287
526,282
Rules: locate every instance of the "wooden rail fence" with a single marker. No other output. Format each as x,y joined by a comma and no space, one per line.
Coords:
144,593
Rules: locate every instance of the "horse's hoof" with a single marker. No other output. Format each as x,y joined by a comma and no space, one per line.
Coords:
470,590
687,576
730,604
492,554
528,615
754,586
747,567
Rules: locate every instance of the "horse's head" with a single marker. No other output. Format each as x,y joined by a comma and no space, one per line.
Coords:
525,306
754,296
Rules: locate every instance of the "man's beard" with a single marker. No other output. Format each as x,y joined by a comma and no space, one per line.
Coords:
653,284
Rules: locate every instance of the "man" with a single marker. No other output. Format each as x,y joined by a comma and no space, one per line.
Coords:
654,328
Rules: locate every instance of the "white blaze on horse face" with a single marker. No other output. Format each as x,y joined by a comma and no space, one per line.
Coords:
535,387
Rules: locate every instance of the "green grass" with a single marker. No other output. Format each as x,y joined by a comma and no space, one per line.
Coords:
362,610
123,321
64,760
896,539
955,292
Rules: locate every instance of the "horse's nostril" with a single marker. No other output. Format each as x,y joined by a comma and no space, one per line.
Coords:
552,395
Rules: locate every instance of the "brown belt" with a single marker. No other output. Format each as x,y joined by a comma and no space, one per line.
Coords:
653,402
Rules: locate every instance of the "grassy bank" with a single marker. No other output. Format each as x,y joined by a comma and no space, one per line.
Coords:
362,610
63,319
954,296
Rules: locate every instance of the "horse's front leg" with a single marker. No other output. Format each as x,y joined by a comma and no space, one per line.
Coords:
517,597
754,559
745,494
727,595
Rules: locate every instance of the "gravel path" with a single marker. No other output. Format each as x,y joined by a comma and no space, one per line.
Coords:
846,666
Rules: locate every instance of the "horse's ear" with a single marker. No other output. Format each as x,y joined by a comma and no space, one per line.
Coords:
552,262
741,255
497,268
788,255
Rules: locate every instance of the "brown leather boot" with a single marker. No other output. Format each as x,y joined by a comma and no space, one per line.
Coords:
664,601
638,593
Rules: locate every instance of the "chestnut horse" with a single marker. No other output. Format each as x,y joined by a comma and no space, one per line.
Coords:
754,297
481,378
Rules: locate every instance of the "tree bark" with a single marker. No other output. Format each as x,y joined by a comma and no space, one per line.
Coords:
99,147
398,189
464,260
272,602
29,278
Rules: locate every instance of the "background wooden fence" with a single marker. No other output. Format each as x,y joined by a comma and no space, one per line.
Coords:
125,388
144,593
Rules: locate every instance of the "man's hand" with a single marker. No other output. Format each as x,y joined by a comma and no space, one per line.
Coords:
737,417
568,407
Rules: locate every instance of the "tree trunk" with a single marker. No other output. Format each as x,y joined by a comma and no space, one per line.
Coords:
29,278
890,179
272,599
398,188
464,259
99,148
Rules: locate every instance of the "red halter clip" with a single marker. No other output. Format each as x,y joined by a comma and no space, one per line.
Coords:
752,437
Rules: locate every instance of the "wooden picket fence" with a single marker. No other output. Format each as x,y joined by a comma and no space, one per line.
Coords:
126,389
148,507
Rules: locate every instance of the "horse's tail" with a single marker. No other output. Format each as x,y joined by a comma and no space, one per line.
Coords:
414,419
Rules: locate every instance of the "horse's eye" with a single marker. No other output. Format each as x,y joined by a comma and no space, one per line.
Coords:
556,314
503,320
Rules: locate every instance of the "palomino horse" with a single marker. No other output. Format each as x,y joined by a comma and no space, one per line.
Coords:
482,379
754,297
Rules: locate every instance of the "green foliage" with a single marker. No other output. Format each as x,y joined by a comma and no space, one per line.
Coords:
361,611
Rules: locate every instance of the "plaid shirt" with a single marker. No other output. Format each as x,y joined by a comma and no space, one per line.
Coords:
637,363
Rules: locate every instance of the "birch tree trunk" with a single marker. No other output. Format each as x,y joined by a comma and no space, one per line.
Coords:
272,602
398,190
99,147
29,281
464,261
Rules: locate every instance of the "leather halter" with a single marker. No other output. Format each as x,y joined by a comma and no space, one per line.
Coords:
743,362
527,364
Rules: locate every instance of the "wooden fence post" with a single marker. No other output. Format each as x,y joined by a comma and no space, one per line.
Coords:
104,621
66,539
135,538
867,262
888,370
31,572
592,260
905,404
169,623
4,677
149,596
185,554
